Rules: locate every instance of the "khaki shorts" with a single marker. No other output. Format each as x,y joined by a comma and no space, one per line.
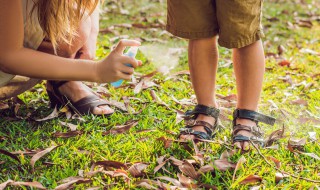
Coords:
237,22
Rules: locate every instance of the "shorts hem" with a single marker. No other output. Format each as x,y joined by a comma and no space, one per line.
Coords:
242,42
191,35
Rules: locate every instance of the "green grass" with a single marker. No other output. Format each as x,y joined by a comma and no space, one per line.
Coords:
134,147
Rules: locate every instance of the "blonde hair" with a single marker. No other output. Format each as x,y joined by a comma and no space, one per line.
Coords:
60,19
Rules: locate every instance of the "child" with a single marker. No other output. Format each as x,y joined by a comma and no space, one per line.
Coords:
66,30
237,23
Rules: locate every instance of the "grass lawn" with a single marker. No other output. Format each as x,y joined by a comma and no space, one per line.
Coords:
290,93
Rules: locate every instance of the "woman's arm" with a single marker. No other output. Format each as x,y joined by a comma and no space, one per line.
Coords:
15,59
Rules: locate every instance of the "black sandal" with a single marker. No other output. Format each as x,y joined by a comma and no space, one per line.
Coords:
81,107
255,130
190,121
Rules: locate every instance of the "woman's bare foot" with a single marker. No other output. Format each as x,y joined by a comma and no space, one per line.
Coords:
245,145
75,90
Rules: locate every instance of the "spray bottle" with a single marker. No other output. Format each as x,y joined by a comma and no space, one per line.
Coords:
132,52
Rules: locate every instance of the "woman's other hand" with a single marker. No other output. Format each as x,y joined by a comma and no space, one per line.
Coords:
113,67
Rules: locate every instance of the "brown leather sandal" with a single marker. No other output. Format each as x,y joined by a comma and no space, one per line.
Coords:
190,121
81,107
255,130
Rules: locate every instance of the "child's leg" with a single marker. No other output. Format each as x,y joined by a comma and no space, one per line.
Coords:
203,61
249,66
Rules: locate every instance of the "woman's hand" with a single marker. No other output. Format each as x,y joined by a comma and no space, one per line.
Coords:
113,67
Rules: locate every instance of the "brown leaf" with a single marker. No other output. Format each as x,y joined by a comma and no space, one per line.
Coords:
119,105
275,136
10,155
205,169
127,104
179,116
185,72
276,161
313,155
304,23
188,169
33,184
300,102
3,106
54,114
167,142
137,169
161,164
227,154
186,182
158,100
71,126
304,120
172,180
122,128
281,49
223,165
176,161
147,183
208,187
145,83
251,179
279,177
68,182
284,63
40,155
27,152
232,97
297,143
240,162
108,164
118,173
67,134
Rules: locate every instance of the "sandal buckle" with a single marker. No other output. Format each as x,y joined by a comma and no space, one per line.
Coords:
187,130
190,122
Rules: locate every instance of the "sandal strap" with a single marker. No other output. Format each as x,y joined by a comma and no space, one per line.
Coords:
255,130
252,115
199,134
202,109
87,104
207,126
242,138
56,85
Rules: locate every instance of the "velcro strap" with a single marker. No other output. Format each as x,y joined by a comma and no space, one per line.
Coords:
252,129
198,134
202,109
252,115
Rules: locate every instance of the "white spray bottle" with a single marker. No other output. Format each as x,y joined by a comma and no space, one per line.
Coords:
132,52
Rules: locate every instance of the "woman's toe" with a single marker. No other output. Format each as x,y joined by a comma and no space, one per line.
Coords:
246,146
237,145
103,110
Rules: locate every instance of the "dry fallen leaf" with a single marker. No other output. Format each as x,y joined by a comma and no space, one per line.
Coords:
68,183
276,161
251,179
300,102
71,126
3,106
122,128
167,142
188,169
275,136
279,177
33,184
40,155
186,182
223,165
240,162
67,134
284,63
9,154
54,114
107,164
137,169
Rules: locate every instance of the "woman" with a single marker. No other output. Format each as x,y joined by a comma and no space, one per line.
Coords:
55,40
